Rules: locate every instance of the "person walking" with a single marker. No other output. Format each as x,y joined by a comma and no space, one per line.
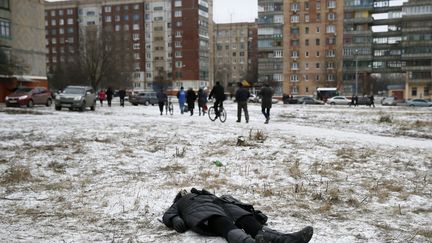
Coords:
218,92
181,96
266,94
190,100
242,95
122,95
372,101
162,100
227,217
202,101
109,94
101,96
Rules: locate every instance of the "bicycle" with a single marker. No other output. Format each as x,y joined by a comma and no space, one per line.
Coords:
212,114
169,107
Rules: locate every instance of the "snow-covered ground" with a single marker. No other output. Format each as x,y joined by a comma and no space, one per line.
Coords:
354,174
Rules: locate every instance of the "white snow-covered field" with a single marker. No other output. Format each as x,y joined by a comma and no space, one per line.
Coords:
354,174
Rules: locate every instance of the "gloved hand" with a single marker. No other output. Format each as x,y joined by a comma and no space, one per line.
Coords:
179,225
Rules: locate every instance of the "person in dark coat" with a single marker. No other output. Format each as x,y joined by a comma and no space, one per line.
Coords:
162,100
225,216
122,95
242,95
266,94
372,101
109,95
218,93
202,101
190,100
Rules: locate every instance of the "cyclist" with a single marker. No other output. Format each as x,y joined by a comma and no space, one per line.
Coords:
218,93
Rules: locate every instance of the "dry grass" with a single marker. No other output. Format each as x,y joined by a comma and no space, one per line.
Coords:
294,169
57,167
385,119
17,174
174,168
257,135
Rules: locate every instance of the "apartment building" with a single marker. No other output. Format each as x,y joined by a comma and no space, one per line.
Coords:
313,43
235,53
388,37
270,43
22,37
165,47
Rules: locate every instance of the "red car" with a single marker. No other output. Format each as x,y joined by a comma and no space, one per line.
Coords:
29,97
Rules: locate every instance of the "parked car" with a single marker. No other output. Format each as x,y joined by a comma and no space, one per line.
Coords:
76,97
309,101
338,100
419,102
388,101
29,97
143,98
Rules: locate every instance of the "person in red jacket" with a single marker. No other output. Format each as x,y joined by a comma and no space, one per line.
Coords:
101,96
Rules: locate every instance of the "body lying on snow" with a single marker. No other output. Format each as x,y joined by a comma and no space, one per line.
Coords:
225,216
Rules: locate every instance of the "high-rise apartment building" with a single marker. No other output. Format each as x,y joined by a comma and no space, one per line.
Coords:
235,53
171,39
313,33
270,43
388,37
22,37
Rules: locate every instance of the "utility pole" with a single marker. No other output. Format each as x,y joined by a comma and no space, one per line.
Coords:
356,71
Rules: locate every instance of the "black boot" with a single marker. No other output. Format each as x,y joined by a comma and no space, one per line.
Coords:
239,236
272,236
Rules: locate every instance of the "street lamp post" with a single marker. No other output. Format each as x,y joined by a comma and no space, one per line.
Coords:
356,71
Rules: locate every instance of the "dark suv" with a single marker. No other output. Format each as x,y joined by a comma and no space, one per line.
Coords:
78,97
143,98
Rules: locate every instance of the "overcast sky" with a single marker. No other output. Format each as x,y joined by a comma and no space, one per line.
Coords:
227,11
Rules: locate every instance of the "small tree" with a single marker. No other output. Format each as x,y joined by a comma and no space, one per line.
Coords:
10,64
161,80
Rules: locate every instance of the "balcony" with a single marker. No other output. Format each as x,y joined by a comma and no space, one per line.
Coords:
360,20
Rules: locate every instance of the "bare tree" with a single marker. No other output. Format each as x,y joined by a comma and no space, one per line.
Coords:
105,58
10,64
161,80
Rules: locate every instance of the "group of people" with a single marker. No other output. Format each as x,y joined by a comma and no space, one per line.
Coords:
242,96
109,94
227,217
355,101
190,97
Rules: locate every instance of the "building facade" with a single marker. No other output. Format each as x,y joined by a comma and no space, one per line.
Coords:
387,38
270,43
165,47
22,37
313,33
235,53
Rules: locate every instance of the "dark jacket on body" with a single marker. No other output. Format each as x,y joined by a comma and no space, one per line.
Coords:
218,92
190,98
242,94
266,94
197,207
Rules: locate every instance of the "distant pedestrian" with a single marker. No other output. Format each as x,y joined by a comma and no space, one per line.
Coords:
122,95
190,100
266,94
202,101
352,101
372,101
356,101
109,94
242,95
101,96
181,96
162,100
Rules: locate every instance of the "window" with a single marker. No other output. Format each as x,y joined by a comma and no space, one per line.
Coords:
317,65
306,18
179,64
426,90
306,5
4,4
136,46
306,54
414,91
5,28
61,12
108,9
53,22
61,21
108,19
331,29
178,54
318,29
137,56
318,5
331,4
53,13
330,53
179,44
295,7
307,30
294,66
278,53
136,27
135,37
70,21
294,19
136,7
178,13
306,42
178,34
69,11
317,42
331,16
294,54
330,65
178,3
330,77
306,66
294,78
317,53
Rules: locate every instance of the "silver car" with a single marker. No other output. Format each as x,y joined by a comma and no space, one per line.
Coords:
419,102
76,97
339,100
